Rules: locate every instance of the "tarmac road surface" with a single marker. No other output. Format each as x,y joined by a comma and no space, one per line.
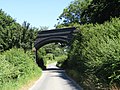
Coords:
55,79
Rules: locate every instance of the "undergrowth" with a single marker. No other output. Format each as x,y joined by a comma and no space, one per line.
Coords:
17,68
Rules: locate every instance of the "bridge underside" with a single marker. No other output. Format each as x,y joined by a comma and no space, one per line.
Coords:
57,35
50,36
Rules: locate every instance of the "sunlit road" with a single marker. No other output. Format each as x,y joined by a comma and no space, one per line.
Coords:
54,79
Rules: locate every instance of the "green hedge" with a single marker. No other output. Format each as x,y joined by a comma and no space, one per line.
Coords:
95,55
60,60
16,69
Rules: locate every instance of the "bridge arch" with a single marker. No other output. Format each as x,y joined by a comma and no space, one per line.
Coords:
51,40
63,35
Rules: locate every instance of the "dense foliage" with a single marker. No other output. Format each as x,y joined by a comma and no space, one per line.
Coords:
94,58
49,53
17,68
13,34
72,13
101,10
89,11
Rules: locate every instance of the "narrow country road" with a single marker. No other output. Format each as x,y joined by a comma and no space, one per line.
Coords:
54,79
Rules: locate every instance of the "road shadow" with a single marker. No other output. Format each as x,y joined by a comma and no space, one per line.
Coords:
49,69
54,70
62,74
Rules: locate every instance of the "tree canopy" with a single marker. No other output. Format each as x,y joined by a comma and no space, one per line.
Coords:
12,34
89,11
72,13
101,10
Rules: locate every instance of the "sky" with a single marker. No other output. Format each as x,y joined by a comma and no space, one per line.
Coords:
36,12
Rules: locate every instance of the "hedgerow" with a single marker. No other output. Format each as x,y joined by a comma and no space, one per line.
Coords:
16,69
95,55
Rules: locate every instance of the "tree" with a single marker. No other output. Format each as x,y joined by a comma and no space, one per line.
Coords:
89,11
12,34
28,35
101,10
6,30
72,13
